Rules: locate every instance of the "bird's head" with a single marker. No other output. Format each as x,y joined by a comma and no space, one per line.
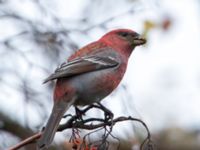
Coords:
123,39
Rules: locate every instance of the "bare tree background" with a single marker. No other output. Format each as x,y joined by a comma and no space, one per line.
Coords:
35,39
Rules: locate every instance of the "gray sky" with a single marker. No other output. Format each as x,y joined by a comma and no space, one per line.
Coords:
163,77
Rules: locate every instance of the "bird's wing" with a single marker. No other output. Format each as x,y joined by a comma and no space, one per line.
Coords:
82,65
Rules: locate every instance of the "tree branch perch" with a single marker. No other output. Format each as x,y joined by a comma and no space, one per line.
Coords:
87,124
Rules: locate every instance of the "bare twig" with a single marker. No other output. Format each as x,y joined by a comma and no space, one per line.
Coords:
26,141
88,124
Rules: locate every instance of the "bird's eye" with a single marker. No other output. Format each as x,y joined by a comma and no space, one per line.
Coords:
124,34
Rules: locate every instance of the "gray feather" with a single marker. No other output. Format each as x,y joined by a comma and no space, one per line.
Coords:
82,65
52,125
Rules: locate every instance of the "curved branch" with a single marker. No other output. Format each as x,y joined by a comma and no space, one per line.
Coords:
81,125
14,127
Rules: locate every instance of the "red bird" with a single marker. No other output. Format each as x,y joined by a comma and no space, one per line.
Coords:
89,75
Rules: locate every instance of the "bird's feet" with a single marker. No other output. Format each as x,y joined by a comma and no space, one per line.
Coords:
108,115
79,113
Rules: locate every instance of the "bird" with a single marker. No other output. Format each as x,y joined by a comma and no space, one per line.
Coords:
89,75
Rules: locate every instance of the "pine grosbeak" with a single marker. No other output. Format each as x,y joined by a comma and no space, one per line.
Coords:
89,75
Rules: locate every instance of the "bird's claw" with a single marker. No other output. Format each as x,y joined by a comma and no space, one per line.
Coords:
79,113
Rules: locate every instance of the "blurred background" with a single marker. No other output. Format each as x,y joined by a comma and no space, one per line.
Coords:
161,86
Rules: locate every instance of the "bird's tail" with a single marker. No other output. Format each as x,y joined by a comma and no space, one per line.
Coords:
52,125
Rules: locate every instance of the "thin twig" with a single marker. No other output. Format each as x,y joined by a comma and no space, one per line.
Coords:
88,124
26,141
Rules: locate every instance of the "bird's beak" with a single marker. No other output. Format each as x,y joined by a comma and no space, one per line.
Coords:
139,40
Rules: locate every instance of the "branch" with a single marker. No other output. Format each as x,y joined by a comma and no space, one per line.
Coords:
14,127
78,122
26,141
79,125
